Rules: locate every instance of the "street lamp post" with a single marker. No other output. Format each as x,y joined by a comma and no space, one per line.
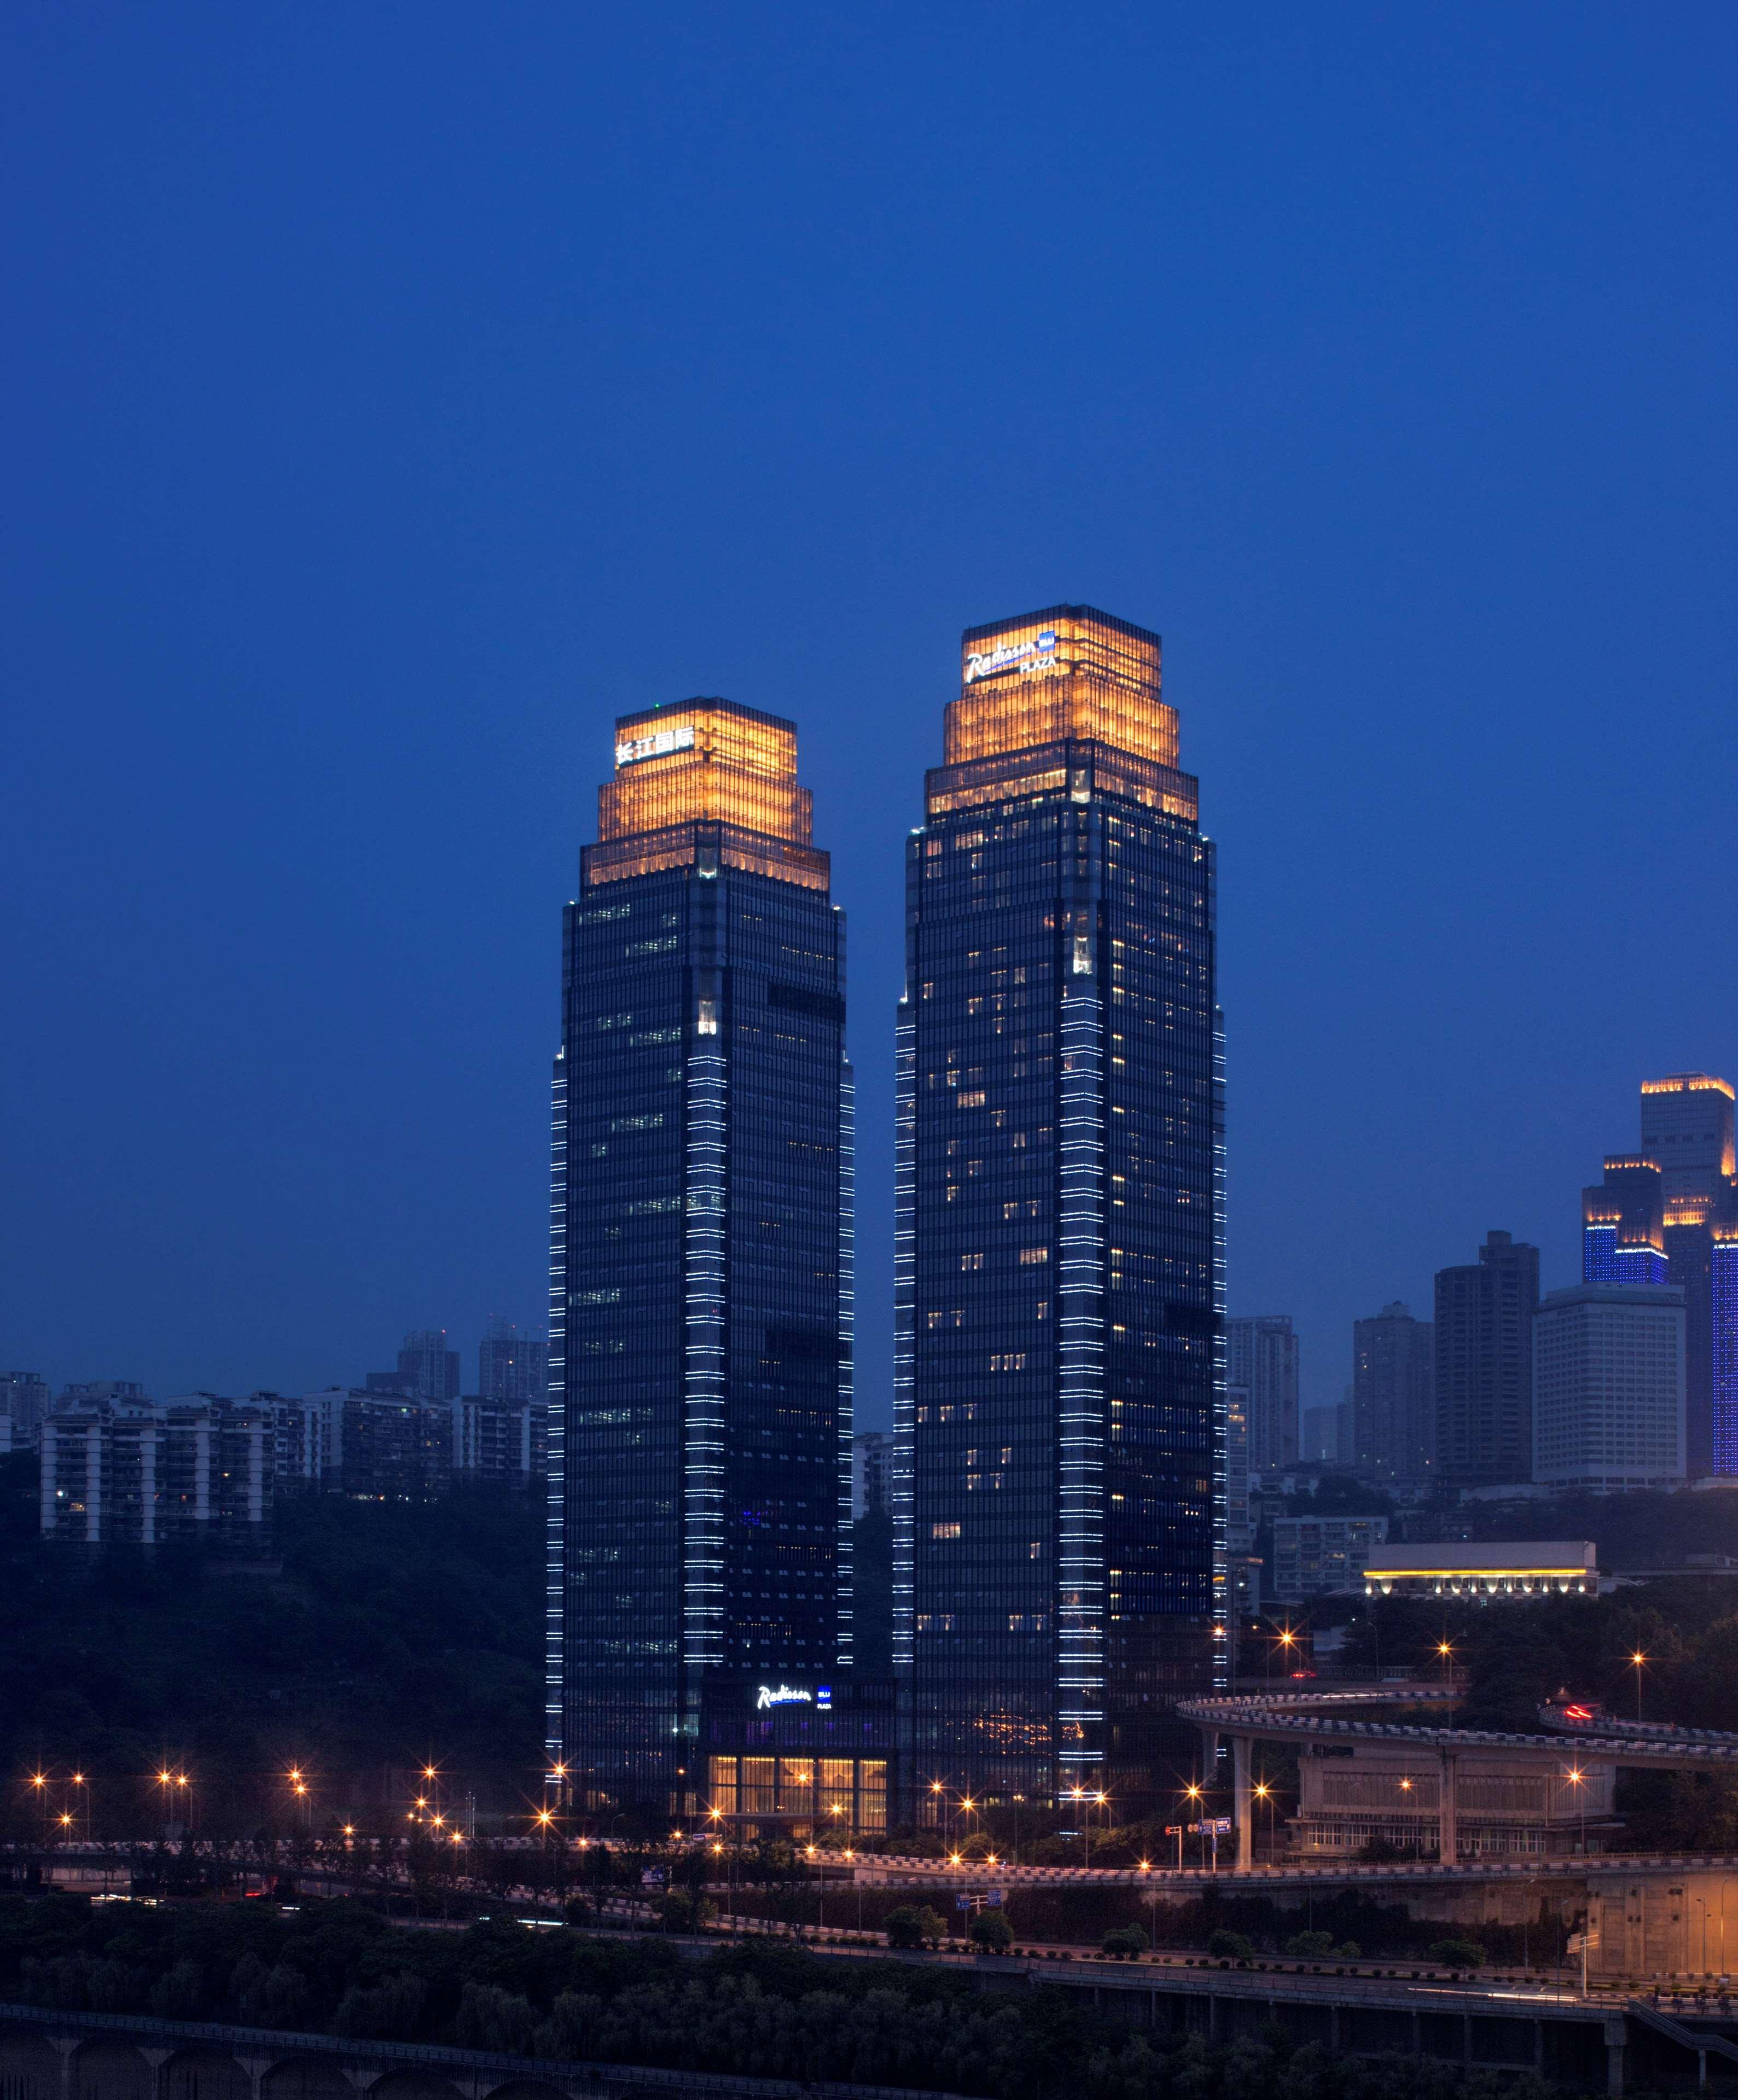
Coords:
1637,1660
1577,1778
545,1822
1077,1794
1192,1794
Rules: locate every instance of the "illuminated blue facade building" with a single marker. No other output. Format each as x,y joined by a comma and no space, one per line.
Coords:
1623,1224
1059,1380
1659,1217
700,1260
1723,1291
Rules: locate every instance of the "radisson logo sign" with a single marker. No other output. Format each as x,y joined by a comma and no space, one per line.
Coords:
1008,657
792,1695
632,749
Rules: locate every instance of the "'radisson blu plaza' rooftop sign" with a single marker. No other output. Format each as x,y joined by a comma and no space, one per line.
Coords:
655,746
1007,656
793,1694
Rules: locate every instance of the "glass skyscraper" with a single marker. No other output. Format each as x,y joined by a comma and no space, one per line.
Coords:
700,1252
1483,1373
1059,1487
1669,1215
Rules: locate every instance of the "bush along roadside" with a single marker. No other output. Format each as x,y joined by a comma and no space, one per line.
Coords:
758,2011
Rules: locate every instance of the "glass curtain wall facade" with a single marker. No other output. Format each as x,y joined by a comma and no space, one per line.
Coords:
1484,1376
700,1255
1059,1484
1658,1218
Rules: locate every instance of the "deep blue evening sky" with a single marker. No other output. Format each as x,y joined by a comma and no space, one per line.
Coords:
393,393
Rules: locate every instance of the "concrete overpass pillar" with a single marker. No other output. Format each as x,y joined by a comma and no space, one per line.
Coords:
256,2068
1242,1805
1447,1822
1616,2035
64,2046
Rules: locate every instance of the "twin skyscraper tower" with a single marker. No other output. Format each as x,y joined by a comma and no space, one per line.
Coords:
1058,1477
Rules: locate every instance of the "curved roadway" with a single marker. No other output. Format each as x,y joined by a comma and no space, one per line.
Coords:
1247,1717
1282,1715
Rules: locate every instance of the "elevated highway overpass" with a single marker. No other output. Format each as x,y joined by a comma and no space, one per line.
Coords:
1349,1718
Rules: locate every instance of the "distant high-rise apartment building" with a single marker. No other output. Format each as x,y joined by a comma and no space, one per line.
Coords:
103,1392
1326,1439
1484,1364
371,1445
700,1295
1314,1556
1059,1307
1393,1396
872,1472
1607,1388
500,1443
1261,1356
427,1369
512,1366
197,1469
1662,1215
24,1402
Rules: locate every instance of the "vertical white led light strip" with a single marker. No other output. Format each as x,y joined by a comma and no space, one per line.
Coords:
554,1595
1222,1596
1080,1404
901,1487
847,1344
704,1359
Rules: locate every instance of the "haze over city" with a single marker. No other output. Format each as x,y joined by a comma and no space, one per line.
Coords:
404,396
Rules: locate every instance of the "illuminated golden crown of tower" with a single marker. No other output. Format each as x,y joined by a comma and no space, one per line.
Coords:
1068,696
1070,673
705,777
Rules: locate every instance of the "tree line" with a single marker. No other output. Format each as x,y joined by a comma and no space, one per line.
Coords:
757,2010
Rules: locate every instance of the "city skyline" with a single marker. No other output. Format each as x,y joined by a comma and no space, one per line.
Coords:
380,452
870,1131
